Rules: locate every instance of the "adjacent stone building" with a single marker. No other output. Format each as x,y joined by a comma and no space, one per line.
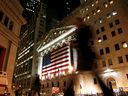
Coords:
10,23
109,42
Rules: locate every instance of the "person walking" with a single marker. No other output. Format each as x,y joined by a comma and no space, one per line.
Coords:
36,85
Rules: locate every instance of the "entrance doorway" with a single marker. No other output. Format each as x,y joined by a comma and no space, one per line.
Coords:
111,83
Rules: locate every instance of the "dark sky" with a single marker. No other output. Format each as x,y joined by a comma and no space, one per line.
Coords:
56,8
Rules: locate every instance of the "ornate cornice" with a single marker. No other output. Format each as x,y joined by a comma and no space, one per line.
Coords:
56,38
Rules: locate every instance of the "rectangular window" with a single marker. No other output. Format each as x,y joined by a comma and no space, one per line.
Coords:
102,29
93,12
110,25
97,31
127,76
113,33
104,63
1,15
95,81
104,37
117,22
98,9
120,59
10,25
110,62
117,47
99,39
101,52
107,50
105,4
6,21
126,56
124,44
120,30
2,56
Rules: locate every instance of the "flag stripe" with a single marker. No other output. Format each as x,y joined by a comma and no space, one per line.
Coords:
57,64
55,68
59,61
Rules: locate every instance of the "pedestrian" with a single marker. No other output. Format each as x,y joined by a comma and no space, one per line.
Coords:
36,85
29,92
17,92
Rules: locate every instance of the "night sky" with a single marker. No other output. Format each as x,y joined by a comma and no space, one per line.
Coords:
55,8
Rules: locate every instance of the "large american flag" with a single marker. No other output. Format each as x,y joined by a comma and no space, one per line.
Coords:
56,63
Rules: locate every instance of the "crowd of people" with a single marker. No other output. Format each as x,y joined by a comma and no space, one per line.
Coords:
35,88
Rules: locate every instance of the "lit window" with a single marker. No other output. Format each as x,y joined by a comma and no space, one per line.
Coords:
96,1
88,17
99,39
114,13
92,4
82,11
100,21
105,4
108,16
86,9
124,44
93,12
110,1
84,19
98,9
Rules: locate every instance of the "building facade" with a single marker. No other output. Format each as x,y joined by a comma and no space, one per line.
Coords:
109,42
10,24
26,65
60,67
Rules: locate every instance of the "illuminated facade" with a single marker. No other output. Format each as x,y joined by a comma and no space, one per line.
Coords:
109,42
58,61
26,64
10,24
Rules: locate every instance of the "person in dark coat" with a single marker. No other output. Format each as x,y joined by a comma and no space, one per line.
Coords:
36,85
87,56
18,92
69,91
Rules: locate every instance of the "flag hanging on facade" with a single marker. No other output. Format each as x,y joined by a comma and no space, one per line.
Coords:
56,62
